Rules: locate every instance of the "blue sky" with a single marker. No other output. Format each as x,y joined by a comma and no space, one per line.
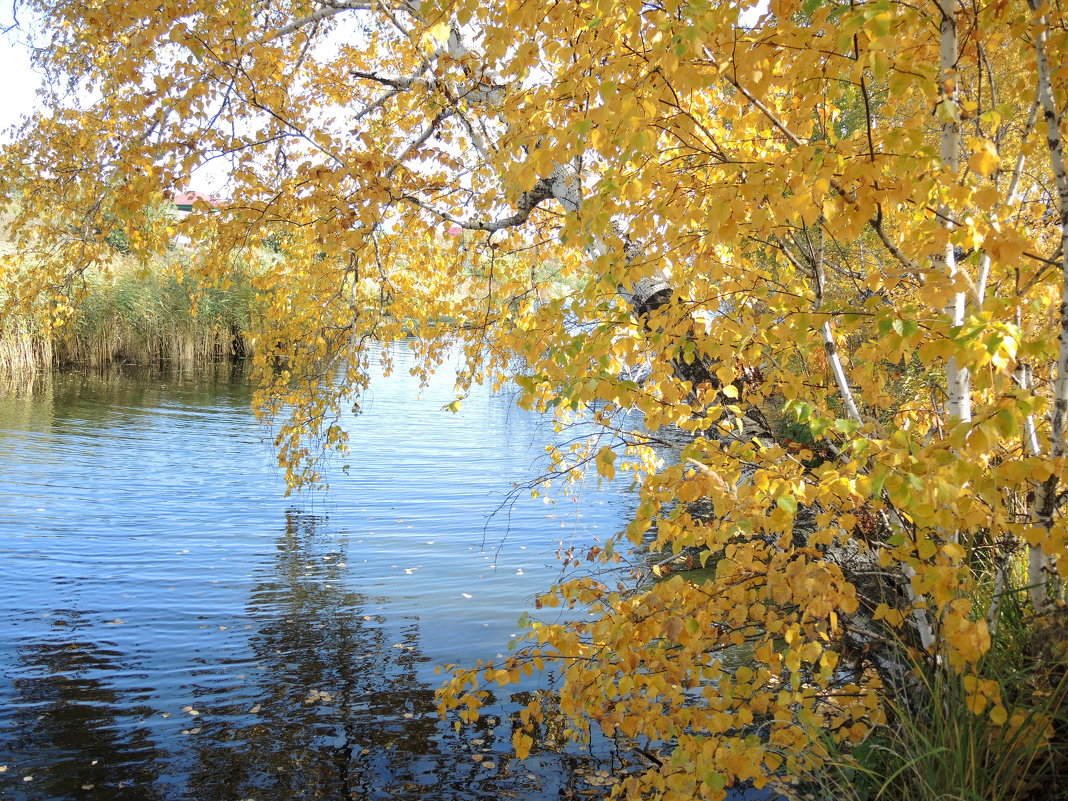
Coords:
20,80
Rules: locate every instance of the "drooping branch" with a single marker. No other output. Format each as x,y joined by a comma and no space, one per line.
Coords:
876,222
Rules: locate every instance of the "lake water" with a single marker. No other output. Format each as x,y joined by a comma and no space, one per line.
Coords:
173,627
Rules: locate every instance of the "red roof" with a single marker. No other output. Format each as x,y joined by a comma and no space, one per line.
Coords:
190,196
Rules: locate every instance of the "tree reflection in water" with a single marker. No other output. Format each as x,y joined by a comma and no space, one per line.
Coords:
341,712
71,730
135,501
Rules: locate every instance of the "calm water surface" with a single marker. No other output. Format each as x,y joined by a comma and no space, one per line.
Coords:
173,627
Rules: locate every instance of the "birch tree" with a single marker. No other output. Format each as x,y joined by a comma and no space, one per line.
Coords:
834,233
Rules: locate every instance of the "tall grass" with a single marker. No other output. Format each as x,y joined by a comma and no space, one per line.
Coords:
24,348
938,747
153,318
137,316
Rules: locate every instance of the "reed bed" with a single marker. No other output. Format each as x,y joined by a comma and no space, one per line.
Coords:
145,317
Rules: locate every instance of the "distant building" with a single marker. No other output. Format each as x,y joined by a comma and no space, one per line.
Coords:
184,200
183,206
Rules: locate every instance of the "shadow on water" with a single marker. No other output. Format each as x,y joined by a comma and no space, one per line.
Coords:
322,700
78,730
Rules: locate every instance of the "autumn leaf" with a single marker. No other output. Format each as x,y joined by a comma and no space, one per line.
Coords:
984,159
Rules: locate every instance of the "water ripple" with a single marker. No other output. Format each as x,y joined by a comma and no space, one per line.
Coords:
175,628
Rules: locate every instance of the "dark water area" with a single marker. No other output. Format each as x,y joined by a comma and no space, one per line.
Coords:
173,627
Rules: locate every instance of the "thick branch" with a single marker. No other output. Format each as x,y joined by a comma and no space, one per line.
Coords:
310,19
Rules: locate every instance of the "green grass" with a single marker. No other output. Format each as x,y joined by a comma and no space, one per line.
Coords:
934,748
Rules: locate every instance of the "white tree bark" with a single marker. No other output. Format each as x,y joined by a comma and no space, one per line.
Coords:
1044,505
958,379
1012,197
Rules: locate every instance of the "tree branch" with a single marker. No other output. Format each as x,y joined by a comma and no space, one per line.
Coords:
316,16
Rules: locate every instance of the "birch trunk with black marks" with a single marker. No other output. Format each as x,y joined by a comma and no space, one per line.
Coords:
958,378
1044,506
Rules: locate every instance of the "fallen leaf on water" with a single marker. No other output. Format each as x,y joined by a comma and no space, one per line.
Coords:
254,709
409,715
489,765
116,621
88,786
478,757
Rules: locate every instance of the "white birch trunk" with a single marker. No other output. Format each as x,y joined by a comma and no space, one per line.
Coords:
1012,197
919,614
958,379
1043,507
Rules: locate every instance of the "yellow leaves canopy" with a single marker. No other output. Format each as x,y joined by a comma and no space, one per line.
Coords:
746,225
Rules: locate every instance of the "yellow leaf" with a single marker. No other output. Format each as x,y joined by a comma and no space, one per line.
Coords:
985,159
998,715
522,744
439,32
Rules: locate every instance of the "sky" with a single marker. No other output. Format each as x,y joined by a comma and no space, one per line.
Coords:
21,81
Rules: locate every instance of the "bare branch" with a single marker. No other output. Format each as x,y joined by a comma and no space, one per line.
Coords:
309,19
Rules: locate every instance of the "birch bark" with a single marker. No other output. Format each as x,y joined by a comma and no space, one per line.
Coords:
1045,497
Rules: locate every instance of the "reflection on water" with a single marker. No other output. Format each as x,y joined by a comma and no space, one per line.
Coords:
68,717
173,628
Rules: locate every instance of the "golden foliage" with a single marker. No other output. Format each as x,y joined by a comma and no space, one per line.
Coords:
503,176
